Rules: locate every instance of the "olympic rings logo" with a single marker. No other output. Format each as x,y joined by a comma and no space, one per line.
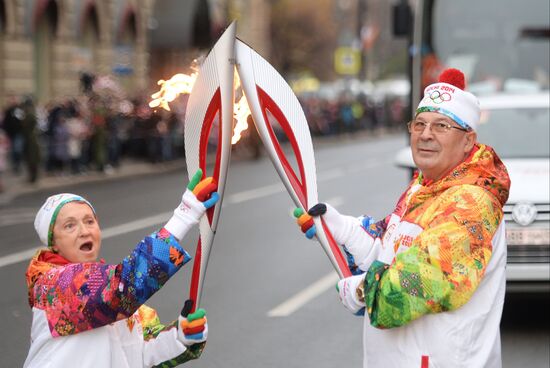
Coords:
438,97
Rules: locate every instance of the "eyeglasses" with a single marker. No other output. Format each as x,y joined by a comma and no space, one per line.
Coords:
437,127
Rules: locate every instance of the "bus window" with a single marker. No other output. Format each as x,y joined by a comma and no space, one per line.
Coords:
495,42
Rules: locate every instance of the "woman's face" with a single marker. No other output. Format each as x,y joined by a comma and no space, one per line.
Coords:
76,233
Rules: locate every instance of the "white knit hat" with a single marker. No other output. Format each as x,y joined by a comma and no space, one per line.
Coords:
448,97
47,214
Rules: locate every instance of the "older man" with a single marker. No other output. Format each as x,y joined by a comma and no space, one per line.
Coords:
431,275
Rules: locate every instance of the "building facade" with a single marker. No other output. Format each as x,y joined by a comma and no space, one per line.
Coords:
46,45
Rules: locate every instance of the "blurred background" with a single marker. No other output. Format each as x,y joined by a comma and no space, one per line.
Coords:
79,88
86,70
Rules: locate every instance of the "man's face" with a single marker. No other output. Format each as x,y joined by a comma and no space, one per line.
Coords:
435,154
76,233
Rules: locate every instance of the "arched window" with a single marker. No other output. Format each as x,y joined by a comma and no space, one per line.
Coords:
87,40
46,13
2,30
125,49
2,16
45,29
202,32
127,33
90,24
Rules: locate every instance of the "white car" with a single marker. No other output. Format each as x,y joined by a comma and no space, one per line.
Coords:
518,128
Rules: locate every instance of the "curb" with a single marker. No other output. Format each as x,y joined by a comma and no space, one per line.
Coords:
17,186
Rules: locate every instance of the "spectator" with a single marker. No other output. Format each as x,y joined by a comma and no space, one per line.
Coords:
55,115
31,147
78,132
4,152
13,115
99,113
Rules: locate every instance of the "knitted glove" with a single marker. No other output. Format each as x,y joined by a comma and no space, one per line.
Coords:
199,196
192,328
339,225
351,293
305,221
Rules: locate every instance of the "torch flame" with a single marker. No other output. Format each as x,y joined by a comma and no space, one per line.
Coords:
183,83
240,113
170,89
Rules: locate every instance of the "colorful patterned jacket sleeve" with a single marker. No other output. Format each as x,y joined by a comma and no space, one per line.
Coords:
82,296
364,238
443,266
153,328
192,352
361,249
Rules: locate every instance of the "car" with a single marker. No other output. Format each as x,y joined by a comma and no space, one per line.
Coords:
517,126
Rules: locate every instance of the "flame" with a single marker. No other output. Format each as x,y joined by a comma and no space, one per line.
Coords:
172,88
183,83
240,113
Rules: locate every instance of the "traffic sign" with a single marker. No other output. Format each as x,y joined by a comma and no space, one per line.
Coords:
347,60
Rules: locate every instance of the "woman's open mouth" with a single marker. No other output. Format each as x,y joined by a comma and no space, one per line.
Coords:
87,247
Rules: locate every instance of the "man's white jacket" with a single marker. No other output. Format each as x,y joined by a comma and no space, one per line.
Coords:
434,270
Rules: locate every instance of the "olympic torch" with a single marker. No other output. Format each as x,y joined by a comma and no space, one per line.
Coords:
270,97
210,107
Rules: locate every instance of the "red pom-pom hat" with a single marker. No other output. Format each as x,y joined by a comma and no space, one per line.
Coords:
454,77
449,98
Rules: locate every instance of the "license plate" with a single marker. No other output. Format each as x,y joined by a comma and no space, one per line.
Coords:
528,236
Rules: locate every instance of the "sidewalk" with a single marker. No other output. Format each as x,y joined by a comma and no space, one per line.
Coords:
16,185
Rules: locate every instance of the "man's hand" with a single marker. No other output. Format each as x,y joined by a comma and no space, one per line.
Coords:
338,224
199,196
351,293
192,328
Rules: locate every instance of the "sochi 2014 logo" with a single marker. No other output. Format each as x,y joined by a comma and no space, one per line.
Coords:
439,97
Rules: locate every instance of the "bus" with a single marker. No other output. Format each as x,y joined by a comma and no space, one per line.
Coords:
503,48
499,44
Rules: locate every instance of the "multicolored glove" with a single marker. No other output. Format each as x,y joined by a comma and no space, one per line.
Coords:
305,221
199,196
346,230
339,225
192,328
351,293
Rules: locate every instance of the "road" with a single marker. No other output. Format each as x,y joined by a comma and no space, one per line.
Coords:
269,292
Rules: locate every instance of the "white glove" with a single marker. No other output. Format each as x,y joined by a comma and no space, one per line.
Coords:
351,293
346,230
193,329
191,209
342,227
339,225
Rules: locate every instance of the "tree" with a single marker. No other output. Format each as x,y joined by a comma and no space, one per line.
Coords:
303,37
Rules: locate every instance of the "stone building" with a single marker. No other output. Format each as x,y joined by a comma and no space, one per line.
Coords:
45,45
183,30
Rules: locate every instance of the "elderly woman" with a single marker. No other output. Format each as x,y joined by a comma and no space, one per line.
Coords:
91,314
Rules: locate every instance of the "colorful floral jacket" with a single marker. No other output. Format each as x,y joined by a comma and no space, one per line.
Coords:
93,314
442,250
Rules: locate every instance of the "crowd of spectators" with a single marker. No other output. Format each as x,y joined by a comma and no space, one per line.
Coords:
88,132
94,130
350,113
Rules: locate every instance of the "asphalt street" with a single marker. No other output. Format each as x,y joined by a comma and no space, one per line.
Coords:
269,292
